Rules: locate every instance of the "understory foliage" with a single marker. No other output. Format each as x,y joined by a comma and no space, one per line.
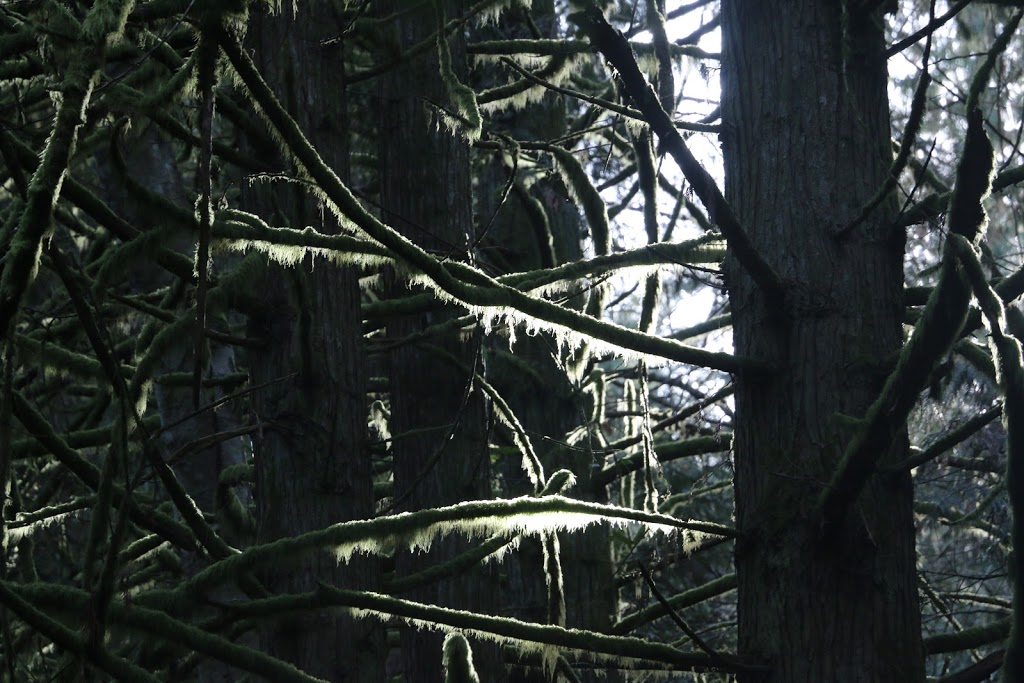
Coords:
151,174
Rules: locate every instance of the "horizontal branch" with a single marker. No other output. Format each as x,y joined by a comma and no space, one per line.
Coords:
516,631
472,518
457,280
969,638
687,598
667,451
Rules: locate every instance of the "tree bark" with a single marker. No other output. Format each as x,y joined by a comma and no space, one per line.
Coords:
312,461
439,419
806,145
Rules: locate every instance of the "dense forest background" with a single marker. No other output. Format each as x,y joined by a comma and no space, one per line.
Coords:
511,341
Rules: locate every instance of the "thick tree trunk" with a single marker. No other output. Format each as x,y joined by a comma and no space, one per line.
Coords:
439,419
312,462
806,144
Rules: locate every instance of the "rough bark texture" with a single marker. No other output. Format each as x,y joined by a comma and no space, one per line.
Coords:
806,144
439,420
312,462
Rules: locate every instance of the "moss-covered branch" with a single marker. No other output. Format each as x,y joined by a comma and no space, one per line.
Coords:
155,623
104,21
711,589
417,529
939,327
454,279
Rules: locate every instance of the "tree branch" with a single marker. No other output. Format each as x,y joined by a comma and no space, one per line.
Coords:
616,50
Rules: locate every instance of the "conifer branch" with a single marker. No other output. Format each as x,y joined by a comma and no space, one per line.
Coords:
104,21
455,279
1010,374
518,634
687,598
69,640
417,529
157,623
37,426
616,50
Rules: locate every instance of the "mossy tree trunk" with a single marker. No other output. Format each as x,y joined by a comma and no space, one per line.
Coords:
806,145
439,416
312,462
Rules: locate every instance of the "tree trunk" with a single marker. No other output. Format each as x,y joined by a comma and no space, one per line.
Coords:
312,462
439,419
806,144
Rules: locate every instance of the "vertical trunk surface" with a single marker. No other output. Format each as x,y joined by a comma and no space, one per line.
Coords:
806,144
547,403
438,418
312,462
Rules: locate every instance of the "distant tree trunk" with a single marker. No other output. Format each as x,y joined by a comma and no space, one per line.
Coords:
806,144
544,399
149,158
548,405
312,462
439,419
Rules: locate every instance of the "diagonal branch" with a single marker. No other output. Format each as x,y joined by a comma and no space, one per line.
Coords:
939,327
616,50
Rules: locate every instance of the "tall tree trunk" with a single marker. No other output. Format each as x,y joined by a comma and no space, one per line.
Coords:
544,399
806,144
312,462
439,418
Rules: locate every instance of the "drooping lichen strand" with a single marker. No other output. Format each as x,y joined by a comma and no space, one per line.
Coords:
531,463
465,118
553,580
529,89
106,20
457,659
647,442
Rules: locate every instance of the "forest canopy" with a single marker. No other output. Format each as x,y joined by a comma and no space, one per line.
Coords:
511,341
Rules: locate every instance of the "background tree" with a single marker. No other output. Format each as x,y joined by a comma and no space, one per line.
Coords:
235,440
